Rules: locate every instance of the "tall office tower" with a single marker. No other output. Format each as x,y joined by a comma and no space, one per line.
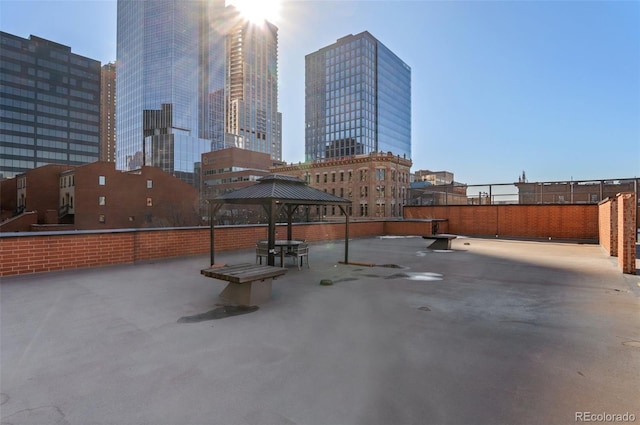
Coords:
49,105
252,118
174,101
357,100
108,113
168,54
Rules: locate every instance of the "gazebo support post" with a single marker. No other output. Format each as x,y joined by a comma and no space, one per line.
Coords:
212,213
273,211
291,209
346,234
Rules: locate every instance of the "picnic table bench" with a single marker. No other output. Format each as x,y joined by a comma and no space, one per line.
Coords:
249,284
441,241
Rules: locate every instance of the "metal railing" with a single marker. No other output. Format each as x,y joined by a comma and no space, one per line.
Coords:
523,193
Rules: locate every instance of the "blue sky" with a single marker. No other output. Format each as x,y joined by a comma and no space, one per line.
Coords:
547,87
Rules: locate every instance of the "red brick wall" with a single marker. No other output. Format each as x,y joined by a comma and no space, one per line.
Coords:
527,221
627,232
20,222
33,253
416,227
608,225
173,202
8,197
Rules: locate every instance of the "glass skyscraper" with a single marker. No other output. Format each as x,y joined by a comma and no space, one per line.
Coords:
357,100
49,105
253,120
160,66
177,96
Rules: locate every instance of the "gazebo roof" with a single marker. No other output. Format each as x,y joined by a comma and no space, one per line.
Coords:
282,189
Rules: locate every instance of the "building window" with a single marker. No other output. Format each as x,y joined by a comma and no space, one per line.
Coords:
317,178
101,218
149,202
102,180
341,176
102,200
149,184
333,177
325,177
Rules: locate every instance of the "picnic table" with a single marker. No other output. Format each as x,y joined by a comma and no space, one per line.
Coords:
249,284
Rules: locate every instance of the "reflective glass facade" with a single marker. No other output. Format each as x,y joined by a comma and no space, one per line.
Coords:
179,94
169,71
49,105
252,88
357,100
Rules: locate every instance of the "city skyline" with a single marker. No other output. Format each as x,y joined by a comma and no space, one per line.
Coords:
551,88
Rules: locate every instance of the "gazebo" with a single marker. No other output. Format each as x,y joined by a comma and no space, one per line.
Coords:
275,192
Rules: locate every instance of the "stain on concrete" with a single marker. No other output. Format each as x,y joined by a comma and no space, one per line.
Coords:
3,398
398,276
391,266
219,313
424,308
635,344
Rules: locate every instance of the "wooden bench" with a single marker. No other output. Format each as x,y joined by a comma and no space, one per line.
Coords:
441,241
249,284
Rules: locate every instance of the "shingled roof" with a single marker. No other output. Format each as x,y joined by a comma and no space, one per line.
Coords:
281,188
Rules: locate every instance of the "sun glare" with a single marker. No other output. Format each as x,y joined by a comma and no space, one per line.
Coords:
258,10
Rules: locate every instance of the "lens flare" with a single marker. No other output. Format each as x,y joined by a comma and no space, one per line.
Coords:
258,11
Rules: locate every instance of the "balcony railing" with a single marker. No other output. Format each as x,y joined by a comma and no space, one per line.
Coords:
63,210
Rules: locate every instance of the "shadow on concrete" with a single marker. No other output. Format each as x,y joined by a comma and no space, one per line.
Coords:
511,332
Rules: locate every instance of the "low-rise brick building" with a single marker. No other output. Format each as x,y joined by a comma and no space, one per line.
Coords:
376,183
97,196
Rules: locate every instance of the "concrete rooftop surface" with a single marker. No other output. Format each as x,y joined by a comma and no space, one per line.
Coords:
490,332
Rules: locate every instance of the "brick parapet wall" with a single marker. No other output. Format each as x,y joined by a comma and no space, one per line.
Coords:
49,251
608,225
627,232
45,253
24,253
19,222
575,222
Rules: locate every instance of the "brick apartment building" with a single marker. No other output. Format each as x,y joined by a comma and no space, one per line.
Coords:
230,169
376,183
233,168
97,196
